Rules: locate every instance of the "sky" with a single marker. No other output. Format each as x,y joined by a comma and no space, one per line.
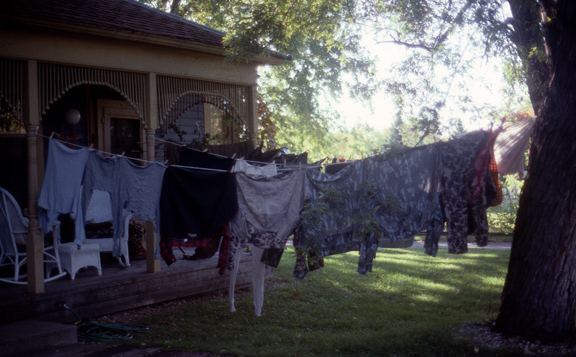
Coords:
487,83
380,114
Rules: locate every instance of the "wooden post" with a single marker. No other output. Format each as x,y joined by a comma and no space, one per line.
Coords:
34,238
152,265
151,123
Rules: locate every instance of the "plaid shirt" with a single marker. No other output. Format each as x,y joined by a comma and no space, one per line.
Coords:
169,257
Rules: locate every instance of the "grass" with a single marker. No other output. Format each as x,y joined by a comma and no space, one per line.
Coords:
493,238
407,306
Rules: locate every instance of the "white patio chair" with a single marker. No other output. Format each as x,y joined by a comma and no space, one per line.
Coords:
13,230
100,211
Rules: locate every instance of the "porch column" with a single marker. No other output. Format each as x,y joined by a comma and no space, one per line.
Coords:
151,123
34,238
252,120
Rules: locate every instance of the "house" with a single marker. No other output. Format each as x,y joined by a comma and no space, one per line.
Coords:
116,75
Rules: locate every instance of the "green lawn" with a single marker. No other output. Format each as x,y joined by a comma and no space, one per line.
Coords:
407,306
493,238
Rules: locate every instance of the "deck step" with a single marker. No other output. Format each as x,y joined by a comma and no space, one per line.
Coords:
28,336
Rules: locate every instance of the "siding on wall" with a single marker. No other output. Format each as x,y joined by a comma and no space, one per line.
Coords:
191,122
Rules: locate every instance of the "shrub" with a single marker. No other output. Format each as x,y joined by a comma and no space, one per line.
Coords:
502,218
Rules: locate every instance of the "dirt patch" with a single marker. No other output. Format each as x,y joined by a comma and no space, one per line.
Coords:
482,337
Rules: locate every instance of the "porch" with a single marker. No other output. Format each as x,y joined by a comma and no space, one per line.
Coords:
117,289
129,77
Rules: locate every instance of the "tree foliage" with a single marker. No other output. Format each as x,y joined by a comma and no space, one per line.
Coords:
437,43
323,41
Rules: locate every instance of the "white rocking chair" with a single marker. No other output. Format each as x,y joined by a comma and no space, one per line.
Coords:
13,230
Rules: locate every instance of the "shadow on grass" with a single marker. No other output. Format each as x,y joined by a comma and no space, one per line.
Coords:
407,306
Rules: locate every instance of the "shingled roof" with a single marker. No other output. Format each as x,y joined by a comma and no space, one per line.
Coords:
125,16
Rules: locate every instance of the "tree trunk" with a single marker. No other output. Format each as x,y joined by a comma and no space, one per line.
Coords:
539,296
527,37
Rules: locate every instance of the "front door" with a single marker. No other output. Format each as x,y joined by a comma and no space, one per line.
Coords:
119,129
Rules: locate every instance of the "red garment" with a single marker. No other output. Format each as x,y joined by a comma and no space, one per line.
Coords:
496,180
482,162
169,258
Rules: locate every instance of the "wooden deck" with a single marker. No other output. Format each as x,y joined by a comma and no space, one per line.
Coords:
118,289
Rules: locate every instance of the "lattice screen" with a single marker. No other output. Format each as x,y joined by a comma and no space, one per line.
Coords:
56,80
175,95
12,83
178,95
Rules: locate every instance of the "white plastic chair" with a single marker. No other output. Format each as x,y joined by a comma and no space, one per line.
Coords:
100,210
13,230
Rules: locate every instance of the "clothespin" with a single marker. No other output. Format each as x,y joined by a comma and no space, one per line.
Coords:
91,146
284,163
205,150
166,162
232,168
123,152
234,155
300,164
51,135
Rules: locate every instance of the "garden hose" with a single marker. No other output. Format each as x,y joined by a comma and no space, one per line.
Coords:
96,332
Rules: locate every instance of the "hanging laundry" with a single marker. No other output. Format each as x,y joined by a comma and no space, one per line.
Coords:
279,156
459,207
258,268
61,191
195,204
241,149
325,228
196,158
259,155
172,151
258,277
102,174
496,180
140,188
268,212
336,166
482,163
477,221
406,191
266,170
511,145
399,196
132,188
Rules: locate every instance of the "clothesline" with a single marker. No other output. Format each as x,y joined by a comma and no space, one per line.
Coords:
211,153
159,163
280,166
132,158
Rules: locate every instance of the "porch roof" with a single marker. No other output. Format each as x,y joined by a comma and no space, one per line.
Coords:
112,18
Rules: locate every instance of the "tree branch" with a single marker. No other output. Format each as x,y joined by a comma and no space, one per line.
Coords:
175,6
443,36
530,45
409,45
